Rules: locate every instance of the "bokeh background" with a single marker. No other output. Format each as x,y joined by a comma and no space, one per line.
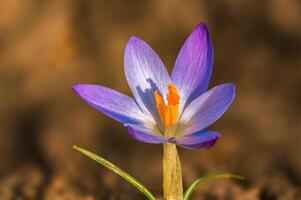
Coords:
46,46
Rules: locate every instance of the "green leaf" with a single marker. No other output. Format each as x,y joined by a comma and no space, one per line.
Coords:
117,170
209,177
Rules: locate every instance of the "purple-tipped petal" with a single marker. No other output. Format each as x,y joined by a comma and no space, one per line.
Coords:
112,103
193,67
145,73
207,108
201,139
145,136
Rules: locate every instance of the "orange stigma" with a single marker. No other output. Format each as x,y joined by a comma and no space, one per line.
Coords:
168,113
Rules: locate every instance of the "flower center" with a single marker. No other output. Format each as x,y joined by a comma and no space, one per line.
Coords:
168,113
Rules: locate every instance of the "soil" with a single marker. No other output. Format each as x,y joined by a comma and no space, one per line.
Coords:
47,46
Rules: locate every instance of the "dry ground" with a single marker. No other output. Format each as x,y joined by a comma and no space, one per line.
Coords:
46,46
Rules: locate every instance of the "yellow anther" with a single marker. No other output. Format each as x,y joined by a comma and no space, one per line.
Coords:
168,113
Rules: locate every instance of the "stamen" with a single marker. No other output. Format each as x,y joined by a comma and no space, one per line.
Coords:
168,113
160,106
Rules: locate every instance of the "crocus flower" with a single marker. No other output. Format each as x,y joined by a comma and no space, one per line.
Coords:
165,108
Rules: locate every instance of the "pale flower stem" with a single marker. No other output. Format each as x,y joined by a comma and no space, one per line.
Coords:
172,173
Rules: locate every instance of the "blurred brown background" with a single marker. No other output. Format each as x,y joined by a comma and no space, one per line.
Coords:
46,46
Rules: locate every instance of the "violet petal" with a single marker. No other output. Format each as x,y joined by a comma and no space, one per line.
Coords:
193,66
145,73
201,139
207,108
112,103
146,137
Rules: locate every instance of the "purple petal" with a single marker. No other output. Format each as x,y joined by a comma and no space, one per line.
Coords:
193,67
201,139
145,73
112,103
145,136
207,108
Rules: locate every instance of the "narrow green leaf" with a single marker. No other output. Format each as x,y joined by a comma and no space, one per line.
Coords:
117,170
209,177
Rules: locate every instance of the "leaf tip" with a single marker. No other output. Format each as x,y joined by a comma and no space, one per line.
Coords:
75,147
